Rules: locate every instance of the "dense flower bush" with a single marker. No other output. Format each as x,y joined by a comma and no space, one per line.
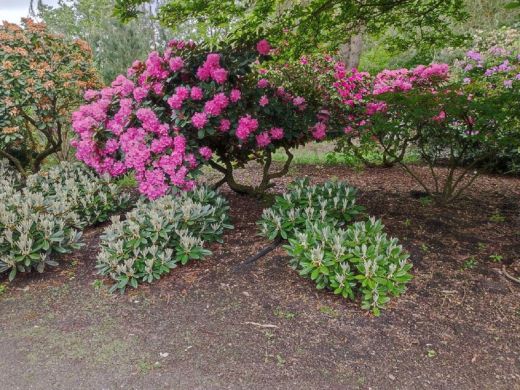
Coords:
348,258
42,79
33,227
356,260
157,236
93,198
448,121
331,203
490,72
457,117
184,106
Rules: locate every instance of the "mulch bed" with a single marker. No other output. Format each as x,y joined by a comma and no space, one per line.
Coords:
263,326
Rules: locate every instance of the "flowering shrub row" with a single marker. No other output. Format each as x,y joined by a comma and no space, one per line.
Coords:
157,236
350,259
47,215
178,109
457,117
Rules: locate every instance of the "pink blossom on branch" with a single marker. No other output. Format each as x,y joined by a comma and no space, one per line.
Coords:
263,139
199,120
264,101
263,47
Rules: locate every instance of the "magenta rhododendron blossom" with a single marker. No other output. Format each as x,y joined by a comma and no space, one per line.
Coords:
264,101
140,93
205,152
199,120
246,126
276,133
263,139
298,101
225,125
235,95
197,93
90,94
176,64
263,47
263,83
319,131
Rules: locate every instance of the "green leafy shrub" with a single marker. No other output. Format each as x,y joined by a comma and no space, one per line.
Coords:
94,198
45,215
32,228
156,236
9,178
330,203
350,259
357,260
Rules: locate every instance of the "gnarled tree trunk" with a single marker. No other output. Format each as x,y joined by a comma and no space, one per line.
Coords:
227,170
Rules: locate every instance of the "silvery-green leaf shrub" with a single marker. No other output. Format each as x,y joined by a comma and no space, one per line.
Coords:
32,228
359,260
94,198
330,203
158,235
9,177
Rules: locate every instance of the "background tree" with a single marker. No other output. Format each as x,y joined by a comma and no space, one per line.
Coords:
385,49
306,26
115,45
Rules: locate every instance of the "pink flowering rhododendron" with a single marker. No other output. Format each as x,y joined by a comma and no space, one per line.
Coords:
179,108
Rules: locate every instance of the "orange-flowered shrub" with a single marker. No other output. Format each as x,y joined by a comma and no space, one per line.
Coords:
42,79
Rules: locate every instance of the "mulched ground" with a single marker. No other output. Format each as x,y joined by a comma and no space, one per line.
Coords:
214,324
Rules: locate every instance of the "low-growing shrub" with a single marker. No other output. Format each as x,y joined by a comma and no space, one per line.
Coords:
45,215
94,198
357,260
348,258
32,228
156,236
330,203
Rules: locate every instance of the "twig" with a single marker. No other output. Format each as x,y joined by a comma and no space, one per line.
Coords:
261,325
509,276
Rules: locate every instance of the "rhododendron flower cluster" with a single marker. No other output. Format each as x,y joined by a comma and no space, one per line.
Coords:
401,80
163,120
496,67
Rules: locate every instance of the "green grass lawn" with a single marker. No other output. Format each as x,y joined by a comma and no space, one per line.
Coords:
323,153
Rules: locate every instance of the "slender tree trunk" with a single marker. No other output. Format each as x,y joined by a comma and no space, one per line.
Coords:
350,52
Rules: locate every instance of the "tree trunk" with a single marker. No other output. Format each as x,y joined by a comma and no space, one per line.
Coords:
350,52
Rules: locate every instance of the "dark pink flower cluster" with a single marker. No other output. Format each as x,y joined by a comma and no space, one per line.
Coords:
161,121
402,80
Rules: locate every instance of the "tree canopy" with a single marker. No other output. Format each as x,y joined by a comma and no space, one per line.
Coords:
305,26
